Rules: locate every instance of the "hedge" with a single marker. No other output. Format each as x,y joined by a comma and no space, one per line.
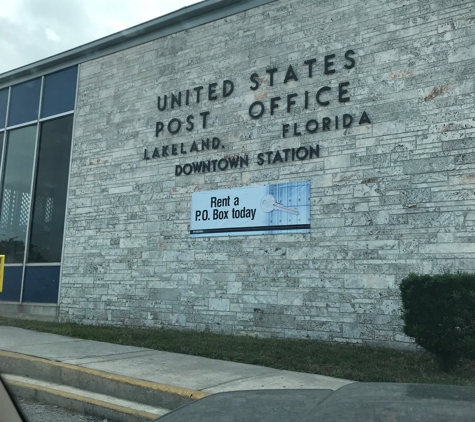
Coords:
439,313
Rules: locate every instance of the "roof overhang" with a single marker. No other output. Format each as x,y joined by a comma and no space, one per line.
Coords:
183,19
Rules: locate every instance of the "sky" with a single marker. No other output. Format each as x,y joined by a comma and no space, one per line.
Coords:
32,30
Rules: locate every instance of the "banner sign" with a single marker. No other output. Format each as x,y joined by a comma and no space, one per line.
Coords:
270,209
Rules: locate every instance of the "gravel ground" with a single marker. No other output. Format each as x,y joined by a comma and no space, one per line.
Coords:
35,412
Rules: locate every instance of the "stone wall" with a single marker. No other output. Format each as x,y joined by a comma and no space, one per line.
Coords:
389,196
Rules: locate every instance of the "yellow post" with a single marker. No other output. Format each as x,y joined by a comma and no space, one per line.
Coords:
2,263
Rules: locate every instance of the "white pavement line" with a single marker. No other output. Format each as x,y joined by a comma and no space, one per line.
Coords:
103,400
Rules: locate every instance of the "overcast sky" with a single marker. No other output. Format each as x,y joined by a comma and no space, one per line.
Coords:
32,30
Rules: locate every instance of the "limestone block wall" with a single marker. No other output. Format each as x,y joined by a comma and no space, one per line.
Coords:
391,193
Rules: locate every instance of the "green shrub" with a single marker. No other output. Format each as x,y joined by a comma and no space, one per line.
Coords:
439,312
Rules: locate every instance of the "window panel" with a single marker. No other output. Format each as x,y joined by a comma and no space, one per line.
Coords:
15,207
2,134
11,284
49,205
3,107
24,102
41,284
59,92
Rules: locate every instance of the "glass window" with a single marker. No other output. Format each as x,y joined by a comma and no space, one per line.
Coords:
2,134
24,102
3,107
49,204
59,92
15,206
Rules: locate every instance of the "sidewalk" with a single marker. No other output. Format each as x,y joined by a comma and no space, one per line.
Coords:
184,371
133,384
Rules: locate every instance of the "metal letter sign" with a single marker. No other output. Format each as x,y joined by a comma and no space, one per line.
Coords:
270,209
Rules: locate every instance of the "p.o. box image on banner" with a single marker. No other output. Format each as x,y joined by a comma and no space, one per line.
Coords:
255,210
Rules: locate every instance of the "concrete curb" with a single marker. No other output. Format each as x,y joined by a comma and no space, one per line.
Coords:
90,403
165,388
92,380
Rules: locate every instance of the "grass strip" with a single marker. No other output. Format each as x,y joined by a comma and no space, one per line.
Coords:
358,363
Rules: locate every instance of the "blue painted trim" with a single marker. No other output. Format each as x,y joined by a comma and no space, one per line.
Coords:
11,284
41,284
